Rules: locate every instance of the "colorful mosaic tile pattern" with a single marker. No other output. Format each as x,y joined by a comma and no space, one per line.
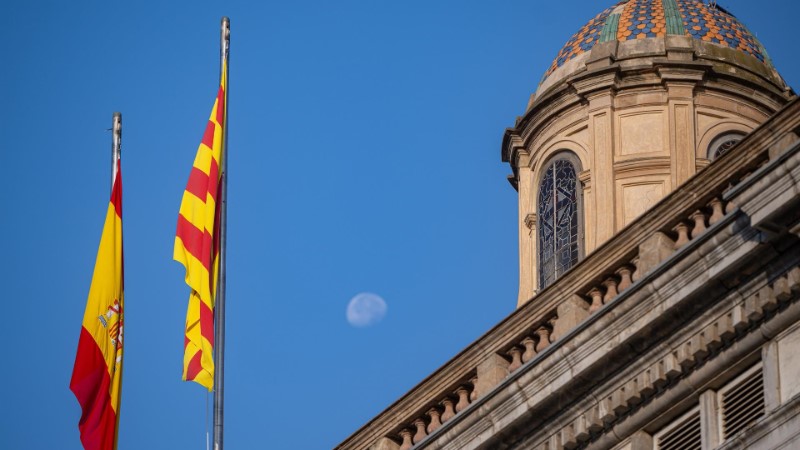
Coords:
712,25
582,41
642,19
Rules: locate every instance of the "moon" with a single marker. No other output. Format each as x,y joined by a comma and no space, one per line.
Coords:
365,309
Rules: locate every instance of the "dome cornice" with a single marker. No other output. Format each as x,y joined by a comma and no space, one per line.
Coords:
607,75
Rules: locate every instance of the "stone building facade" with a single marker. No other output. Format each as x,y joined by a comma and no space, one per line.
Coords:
658,174
638,116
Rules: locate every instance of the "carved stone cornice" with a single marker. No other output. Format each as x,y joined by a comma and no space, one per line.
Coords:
522,157
686,72
597,81
771,195
511,142
630,167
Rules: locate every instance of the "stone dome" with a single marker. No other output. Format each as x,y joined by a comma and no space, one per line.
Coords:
633,20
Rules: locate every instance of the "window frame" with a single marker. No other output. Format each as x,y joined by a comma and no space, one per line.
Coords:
715,145
733,385
571,158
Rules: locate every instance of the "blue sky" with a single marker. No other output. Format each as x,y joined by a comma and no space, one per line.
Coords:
364,157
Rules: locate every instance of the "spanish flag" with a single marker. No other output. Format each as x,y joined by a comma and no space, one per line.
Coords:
197,246
97,375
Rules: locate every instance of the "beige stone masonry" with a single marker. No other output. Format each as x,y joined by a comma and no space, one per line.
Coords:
384,444
574,311
770,363
677,362
527,236
710,424
653,251
491,372
788,365
611,271
640,116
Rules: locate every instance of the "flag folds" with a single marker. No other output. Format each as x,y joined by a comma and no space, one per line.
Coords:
197,246
97,374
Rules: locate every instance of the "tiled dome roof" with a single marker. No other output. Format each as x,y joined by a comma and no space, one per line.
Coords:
640,19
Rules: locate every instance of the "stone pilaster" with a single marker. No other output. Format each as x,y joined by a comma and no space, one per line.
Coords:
570,314
770,372
527,231
491,372
709,425
585,178
682,145
652,251
641,441
384,444
602,141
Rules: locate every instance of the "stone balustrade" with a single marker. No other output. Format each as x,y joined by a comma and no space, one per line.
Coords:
613,269
521,351
618,279
440,412
532,343
654,250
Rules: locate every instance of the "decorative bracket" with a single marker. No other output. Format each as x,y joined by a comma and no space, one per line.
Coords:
530,221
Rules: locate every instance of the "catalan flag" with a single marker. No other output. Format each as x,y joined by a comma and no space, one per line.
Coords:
97,375
197,245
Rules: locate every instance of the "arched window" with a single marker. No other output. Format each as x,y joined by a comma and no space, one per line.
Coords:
723,143
559,219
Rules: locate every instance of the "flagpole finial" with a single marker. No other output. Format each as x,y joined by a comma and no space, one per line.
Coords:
224,39
117,124
116,144
225,24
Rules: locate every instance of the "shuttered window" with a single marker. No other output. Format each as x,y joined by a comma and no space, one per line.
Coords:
681,434
741,402
738,405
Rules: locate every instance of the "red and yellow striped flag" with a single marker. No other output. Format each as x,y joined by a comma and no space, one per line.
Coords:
97,375
197,246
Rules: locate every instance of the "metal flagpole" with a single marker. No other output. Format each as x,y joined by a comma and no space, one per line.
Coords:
219,306
116,144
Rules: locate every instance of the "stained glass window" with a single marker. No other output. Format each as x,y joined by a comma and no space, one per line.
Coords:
723,143
558,221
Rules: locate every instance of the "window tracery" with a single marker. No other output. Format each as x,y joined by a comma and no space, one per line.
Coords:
722,143
559,218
